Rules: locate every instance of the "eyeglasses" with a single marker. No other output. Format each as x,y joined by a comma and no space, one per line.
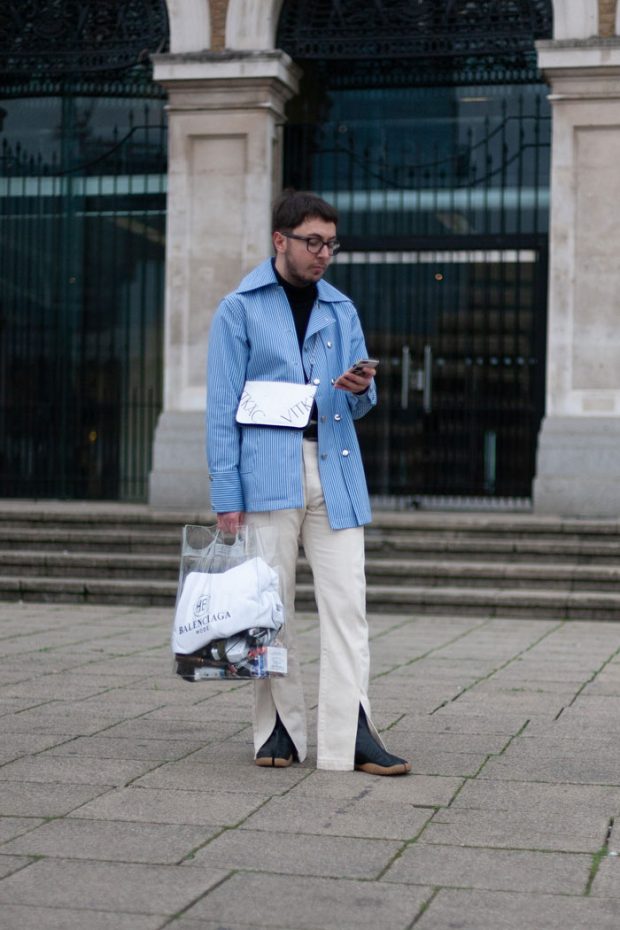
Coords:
315,244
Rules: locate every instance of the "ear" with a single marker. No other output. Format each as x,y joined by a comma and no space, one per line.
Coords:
279,241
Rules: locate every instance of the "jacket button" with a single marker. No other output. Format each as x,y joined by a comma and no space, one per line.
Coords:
316,381
337,417
323,455
329,345
333,380
345,452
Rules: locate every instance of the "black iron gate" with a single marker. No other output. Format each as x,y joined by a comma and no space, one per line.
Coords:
83,177
428,126
460,335
82,210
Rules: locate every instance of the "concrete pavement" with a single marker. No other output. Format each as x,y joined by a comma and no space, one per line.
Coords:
129,801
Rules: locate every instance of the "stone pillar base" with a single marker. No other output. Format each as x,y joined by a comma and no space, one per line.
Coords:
578,467
180,478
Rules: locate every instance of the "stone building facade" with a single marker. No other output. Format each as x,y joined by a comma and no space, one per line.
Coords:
227,86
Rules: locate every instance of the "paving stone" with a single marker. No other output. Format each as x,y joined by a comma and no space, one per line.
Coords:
116,702
189,775
37,799
603,687
200,713
146,805
584,761
109,747
131,667
74,771
311,903
142,691
8,865
513,796
458,718
184,923
22,917
15,745
327,856
435,667
485,910
419,790
56,687
310,844
50,718
452,742
113,841
614,838
159,727
238,752
494,870
572,724
515,685
573,831
439,763
606,705
11,827
356,817
107,886
607,881
522,702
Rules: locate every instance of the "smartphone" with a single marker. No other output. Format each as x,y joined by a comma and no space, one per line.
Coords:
362,363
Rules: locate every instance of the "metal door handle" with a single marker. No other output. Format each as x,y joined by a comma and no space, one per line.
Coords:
427,390
404,378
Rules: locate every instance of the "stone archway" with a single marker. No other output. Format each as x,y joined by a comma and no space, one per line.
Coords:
575,20
190,25
252,24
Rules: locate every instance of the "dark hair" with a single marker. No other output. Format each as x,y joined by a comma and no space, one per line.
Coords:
292,207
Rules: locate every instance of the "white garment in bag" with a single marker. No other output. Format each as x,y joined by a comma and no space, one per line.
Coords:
216,606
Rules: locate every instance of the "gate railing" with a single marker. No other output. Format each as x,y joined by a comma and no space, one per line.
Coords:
444,240
82,243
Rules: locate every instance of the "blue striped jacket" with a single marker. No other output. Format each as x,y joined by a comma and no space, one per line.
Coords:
253,338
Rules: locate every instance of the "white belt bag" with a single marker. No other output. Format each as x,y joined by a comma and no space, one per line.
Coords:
275,403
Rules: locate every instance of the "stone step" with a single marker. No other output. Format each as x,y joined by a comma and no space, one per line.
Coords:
396,571
506,574
79,540
494,548
139,518
419,545
516,564
560,605
90,565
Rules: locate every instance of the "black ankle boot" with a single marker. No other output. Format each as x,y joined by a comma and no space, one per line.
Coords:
371,757
279,750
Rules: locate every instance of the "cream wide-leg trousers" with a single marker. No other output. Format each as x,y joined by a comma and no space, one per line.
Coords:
337,561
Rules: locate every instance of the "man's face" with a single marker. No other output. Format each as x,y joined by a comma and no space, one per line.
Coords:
294,261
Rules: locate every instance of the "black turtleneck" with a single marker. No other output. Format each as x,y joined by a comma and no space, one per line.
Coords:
301,301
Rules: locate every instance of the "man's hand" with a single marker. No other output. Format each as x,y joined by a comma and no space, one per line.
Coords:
230,522
356,384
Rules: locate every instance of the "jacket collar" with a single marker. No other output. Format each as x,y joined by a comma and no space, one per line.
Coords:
263,276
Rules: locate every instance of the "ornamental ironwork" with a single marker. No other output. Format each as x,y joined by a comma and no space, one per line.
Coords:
56,38
406,29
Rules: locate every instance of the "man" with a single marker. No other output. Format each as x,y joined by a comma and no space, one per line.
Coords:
285,324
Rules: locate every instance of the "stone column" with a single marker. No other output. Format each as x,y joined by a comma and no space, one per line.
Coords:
578,466
226,112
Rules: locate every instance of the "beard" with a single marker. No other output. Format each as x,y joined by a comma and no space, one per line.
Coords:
301,275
